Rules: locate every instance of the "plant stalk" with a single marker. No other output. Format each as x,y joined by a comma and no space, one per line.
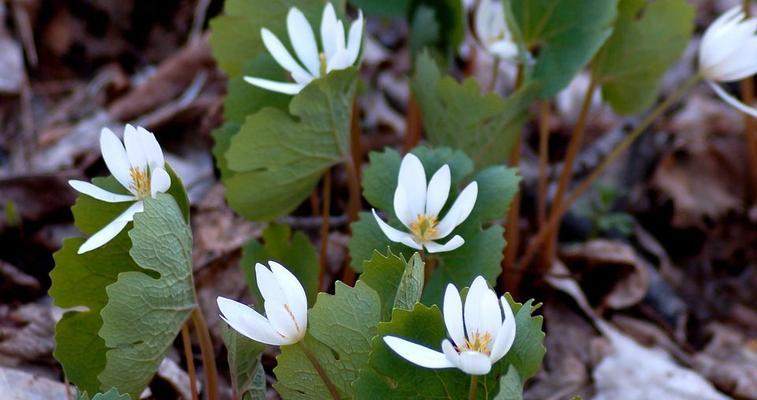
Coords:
413,123
189,356
541,195
325,221
319,369
208,356
559,209
495,74
576,139
473,391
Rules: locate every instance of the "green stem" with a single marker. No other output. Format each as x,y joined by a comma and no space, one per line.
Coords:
560,208
319,369
473,387
208,356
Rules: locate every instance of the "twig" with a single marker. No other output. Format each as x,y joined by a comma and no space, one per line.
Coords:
208,355
189,356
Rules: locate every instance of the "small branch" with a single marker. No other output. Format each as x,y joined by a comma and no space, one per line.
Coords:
189,356
541,196
559,209
208,356
319,369
325,210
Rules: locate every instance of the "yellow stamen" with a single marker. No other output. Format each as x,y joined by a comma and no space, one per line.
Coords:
424,228
479,343
140,182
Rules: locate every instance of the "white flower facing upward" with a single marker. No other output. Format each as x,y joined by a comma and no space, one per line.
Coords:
728,52
337,53
480,337
139,167
285,303
492,32
417,206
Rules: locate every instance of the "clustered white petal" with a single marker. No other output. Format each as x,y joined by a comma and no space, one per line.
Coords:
285,303
139,167
338,52
479,335
728,52
491,30
418,204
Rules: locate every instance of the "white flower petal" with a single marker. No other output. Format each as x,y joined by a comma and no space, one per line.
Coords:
294,293
450,353
134,150
474,315
340,60
453,315
459,211
160,181
280,53
729,47
417,354
268,285
452,244
412,178
329,31
100,193
475,363
280,87
438,190
491,314
396,235
249,322
506,334
355,39
732,100
303,40
283,321
151,148
402,207
111,230
503,49
115,157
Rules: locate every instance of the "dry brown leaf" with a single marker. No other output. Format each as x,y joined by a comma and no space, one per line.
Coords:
18,385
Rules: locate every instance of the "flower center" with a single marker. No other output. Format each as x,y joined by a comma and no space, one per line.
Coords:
140,182
324,63
424,228
479,343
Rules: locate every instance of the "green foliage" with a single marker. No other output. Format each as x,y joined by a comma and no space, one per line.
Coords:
144,313
244,99
457,115
236,33
565,35
340,330
295,252
436,25
599,211
394,279
384,8
243,356
411,285
277,158
111,394
649,36
510,386
482,252
528,349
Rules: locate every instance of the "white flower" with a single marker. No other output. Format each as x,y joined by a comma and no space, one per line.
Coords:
478,341
337,53
729,53
491,30
417,206
285,303
139,168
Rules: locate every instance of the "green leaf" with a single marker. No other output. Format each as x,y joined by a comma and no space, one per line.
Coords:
244,99
147,308
221,142
528,349
510,386
368,238
111,394
497,185
384,274
278,158
437,25
383,8
649,36
340,328
411,285
295,252
457,115
565,35
80,281
235,35
243,356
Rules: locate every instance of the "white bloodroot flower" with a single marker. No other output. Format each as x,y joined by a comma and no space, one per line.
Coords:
139,168
492,32
417,206
479,340
285,303
728,52
337,53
